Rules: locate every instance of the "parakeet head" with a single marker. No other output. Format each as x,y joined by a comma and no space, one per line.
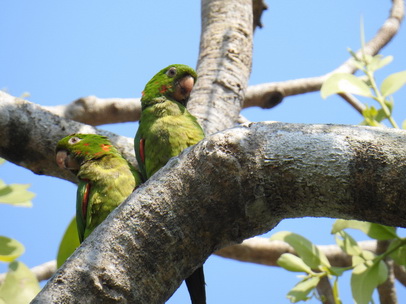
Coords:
173,82
74,150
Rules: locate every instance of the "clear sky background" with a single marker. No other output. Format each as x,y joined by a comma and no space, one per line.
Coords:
58,51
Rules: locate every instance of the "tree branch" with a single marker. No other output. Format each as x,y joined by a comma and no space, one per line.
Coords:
259,174
387,290
325,291
262,251
96,111
268,95
29,135
400,274
224,63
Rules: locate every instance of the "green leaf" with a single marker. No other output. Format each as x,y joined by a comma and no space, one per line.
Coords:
293,263
368,255
305,249
377,62
365,278
381,113
399,255
10,249
302,289
375,231
392,83
373,117
338,271
347,244
344,83
2,160
20,285
15,194
69,243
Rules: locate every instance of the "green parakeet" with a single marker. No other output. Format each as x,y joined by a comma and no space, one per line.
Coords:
167,128
106,179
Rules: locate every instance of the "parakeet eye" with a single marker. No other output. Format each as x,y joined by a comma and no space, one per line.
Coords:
74,140
171,72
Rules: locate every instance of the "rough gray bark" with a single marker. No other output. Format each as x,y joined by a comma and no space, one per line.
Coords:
29,135
96,111
224,63
259,174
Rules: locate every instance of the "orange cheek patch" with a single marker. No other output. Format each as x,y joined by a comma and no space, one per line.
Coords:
163,89
105,147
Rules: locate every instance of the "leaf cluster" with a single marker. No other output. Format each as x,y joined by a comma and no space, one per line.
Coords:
20,284
368,269
367,87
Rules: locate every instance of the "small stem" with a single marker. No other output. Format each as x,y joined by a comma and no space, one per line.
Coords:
379,98
387,253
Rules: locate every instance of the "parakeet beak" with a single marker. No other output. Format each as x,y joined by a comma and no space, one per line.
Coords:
65,161
183,89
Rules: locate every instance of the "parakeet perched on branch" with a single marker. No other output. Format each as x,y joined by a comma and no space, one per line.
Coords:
167,128
106,179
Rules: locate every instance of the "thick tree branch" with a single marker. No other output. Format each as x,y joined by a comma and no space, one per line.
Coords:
29,134
96,111
224,63
259,174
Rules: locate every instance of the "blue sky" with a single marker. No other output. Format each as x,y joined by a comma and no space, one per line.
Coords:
58,51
